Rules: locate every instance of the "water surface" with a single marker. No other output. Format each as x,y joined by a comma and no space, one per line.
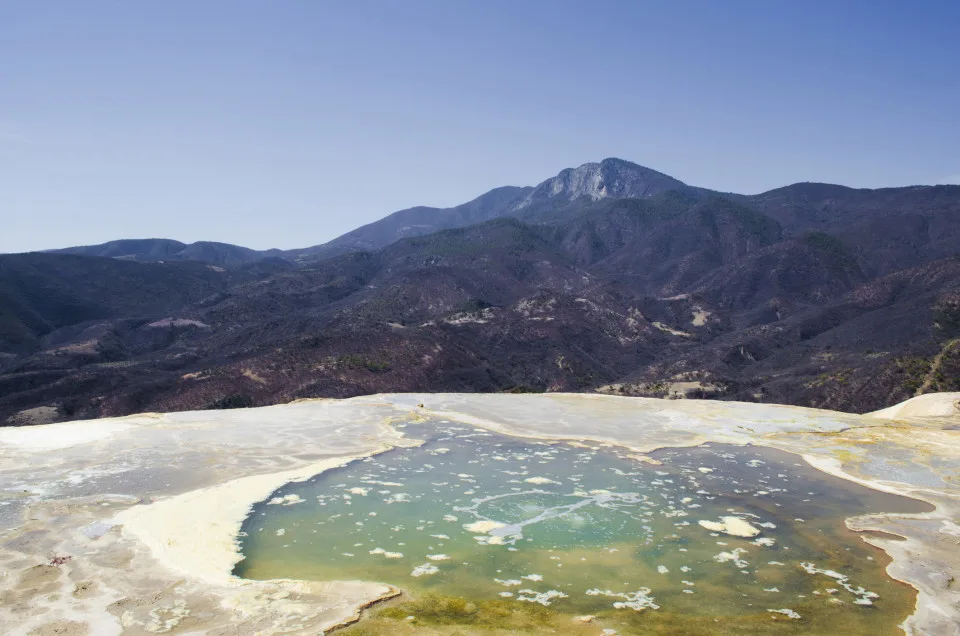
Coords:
559,530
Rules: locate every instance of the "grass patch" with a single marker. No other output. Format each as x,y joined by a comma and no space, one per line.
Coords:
361,362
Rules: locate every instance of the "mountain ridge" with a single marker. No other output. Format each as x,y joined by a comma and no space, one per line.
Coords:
811,294
606,179
844,302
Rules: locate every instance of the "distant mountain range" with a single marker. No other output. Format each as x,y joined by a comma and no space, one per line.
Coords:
609,277
611,178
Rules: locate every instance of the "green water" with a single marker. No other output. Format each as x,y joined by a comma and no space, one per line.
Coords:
556,531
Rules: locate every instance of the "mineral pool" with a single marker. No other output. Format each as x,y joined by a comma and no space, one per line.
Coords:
495,534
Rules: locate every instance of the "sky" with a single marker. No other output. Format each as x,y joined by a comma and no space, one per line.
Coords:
286,124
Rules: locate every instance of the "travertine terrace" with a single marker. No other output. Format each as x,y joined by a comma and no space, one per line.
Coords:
130,525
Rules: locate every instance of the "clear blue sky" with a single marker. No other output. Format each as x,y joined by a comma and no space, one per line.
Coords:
284,124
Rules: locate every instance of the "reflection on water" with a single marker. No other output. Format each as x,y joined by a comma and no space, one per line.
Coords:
741,536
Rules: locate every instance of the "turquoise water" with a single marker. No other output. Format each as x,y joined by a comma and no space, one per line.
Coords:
586,529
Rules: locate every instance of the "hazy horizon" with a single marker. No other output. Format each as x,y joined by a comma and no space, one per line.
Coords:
284,126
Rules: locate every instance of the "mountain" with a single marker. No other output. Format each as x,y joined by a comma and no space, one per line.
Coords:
919,213
887,229
155,250
609,179
43,293
609,278
415,222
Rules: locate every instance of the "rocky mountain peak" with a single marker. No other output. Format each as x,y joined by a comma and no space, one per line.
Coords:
611,178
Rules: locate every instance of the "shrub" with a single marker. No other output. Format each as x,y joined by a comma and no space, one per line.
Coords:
232,402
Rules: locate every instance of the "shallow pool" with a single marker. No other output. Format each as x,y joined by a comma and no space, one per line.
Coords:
711,539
